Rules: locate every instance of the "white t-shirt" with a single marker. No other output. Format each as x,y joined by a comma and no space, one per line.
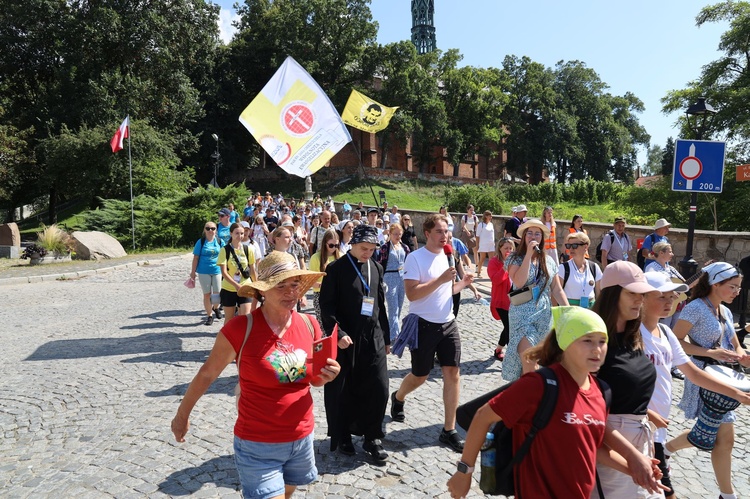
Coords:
664,352
395,218
423,265
579,284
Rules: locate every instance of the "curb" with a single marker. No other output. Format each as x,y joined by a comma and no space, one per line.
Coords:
81,273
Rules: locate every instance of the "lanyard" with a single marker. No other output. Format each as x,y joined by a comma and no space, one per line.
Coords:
619,241
361,277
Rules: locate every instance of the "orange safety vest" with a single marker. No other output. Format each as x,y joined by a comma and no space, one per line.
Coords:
551,242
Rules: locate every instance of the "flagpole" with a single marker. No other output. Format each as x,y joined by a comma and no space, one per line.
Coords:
364,173
130,164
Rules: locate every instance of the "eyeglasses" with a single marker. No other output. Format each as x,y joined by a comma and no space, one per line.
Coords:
574,245
406,219
209,228
533,234
331,245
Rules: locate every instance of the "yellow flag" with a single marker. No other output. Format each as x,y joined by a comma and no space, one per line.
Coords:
295,122
365,114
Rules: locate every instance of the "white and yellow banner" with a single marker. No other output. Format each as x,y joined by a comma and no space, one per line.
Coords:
365,114
295,122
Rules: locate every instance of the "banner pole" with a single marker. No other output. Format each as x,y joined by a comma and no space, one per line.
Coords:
130,164
364,173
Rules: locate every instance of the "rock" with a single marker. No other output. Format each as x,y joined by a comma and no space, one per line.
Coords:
9,235
97,245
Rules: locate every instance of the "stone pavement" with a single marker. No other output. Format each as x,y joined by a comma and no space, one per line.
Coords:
93,369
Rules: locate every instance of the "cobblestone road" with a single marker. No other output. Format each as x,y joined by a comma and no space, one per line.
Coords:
93,369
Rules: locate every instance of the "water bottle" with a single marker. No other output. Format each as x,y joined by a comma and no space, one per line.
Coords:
487,478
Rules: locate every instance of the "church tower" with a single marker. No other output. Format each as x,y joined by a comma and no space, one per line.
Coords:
422,27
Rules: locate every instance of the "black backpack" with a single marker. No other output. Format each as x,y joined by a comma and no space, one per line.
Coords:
598,253
506,463
592,268
640,258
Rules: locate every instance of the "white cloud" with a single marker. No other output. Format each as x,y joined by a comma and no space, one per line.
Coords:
226,18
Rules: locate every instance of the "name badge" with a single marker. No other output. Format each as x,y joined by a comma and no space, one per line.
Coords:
584,302
368,305
237,278
535,292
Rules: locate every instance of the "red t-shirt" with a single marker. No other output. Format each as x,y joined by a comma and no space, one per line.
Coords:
276,404
562,459
500,286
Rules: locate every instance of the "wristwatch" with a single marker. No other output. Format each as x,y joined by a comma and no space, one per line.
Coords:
464,468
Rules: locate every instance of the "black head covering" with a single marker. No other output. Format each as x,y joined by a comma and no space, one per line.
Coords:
364,234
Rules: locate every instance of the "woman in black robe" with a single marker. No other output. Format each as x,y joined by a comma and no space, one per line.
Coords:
352,296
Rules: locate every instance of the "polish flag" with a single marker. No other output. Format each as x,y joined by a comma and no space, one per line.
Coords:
121,134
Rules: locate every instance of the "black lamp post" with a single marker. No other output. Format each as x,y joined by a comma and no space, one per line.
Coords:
699,117
217,159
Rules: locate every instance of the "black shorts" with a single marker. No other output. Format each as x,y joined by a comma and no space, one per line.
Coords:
666,480
232,299
433,338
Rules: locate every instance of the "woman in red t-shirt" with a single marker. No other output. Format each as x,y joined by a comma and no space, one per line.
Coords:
562,459
273,441
499,301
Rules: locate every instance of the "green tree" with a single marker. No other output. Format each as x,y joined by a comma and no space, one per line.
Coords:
667,157
474,101
654,157
724,82
529,117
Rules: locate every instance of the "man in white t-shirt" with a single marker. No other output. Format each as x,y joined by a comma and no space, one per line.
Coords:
429,279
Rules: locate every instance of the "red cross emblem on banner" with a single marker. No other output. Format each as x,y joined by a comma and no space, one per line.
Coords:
298,119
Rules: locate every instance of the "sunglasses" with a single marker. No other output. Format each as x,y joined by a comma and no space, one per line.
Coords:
331,246
209,228
574,245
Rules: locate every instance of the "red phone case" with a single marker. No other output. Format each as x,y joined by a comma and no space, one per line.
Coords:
324,349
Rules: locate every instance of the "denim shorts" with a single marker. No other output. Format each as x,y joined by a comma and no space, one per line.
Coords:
265,468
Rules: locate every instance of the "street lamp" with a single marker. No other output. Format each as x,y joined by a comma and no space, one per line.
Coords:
217,158
699,117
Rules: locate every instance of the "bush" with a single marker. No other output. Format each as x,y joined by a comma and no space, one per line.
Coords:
55,240
175,221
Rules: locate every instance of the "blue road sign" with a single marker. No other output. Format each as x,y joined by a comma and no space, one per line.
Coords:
698,166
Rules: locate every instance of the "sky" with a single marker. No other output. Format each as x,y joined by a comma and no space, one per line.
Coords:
647,47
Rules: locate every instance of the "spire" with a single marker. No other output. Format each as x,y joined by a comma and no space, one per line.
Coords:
422,26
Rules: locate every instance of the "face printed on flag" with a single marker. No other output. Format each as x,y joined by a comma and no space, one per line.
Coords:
365,114
295,122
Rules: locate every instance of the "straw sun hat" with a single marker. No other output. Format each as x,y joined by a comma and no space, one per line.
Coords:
274,268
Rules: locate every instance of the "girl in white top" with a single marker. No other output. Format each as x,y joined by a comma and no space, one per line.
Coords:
663,348
485,240
468,229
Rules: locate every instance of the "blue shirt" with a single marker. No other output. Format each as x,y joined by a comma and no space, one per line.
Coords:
649,242
248,211
234,217
222,232
460,247
207,256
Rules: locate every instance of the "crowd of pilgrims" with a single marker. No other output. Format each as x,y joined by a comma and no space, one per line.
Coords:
634,330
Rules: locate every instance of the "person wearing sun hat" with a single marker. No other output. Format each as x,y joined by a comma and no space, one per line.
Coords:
628,371
273,434
709,325
531,268
352,296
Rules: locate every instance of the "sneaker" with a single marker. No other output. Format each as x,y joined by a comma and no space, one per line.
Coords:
397,409
677,374
217,313
374,449
209,320
452,439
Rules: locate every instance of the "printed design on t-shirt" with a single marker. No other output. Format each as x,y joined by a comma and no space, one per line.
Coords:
290,365
586,420
660,357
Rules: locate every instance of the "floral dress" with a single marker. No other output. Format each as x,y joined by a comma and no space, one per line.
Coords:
530,320
706,332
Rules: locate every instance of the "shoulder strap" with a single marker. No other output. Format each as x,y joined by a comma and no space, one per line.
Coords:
566,266
247,253
592,267
247,335
612,237
309,325
543,412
